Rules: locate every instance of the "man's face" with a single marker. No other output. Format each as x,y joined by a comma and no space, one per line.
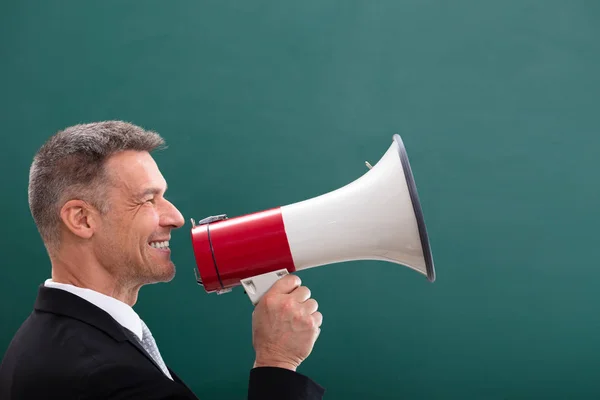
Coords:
132,241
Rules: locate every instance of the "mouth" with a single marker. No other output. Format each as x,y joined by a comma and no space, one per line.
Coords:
160,245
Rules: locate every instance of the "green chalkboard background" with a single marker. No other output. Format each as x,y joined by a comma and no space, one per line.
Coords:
264,103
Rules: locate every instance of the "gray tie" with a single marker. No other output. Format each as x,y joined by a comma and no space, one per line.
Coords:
149,344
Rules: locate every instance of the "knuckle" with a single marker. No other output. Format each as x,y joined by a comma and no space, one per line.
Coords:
288,304
298,318
269,301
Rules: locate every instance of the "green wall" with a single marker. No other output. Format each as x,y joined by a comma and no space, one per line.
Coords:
265,103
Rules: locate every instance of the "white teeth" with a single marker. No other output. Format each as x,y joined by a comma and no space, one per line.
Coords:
160,245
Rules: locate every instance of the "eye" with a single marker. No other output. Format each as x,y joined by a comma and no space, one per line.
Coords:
151,200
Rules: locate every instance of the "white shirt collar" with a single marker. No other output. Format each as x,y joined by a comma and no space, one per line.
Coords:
121,312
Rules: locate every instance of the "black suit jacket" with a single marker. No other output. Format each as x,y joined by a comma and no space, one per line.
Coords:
70,349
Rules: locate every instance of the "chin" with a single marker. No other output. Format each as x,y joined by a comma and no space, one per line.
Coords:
167,273
161,273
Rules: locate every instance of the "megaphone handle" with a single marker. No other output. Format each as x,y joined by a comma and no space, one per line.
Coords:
257,286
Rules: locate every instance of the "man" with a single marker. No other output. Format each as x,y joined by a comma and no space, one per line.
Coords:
98,200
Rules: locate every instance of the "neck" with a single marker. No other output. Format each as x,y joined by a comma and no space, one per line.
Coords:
87,273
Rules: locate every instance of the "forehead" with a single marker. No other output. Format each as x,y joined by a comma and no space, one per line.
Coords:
134,171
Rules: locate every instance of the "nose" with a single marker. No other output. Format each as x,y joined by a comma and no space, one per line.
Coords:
171,216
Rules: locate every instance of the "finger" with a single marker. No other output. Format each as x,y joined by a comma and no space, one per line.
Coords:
310,306
286,285
301,294
318,334
318,318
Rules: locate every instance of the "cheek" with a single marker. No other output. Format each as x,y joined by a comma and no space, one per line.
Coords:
148,222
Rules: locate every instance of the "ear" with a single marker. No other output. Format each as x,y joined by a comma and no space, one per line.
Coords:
80,218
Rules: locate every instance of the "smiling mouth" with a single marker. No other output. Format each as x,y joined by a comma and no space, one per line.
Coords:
164,245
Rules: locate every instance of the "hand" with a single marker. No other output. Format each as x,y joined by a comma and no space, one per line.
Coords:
285,325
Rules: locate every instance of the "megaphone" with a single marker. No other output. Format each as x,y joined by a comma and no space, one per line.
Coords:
376,217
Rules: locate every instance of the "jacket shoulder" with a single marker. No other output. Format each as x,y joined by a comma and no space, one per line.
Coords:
50,353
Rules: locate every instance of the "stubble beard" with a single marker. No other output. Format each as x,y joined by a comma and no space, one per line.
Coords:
130,271
154,271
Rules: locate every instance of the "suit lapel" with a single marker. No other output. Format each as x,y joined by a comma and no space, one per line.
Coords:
133,339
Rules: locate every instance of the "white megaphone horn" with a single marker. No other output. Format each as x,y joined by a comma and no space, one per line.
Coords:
376,217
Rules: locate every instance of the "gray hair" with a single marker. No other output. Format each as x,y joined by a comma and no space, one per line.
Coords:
70,165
